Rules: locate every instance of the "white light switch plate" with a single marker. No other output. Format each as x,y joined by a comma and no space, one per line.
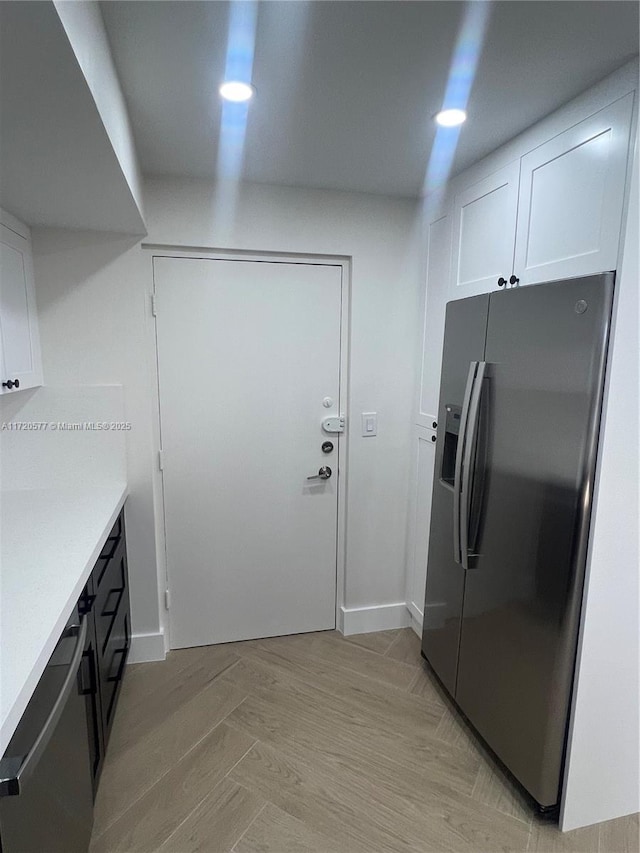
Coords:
369,424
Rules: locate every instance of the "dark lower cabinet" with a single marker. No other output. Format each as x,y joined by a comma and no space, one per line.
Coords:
50,771
90,689
105,604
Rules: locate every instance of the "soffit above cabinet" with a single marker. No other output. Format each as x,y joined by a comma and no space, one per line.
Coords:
58,167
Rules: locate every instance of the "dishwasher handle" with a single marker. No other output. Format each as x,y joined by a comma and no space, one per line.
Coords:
16,771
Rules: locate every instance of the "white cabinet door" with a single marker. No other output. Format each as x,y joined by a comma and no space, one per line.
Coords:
437,291
571,197
484,231
20,362
419,519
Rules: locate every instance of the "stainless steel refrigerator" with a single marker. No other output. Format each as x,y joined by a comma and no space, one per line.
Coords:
520,399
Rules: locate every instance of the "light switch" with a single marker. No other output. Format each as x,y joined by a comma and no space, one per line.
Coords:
369,424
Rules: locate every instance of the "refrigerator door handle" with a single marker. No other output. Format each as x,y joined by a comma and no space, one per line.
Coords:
470,442
457,478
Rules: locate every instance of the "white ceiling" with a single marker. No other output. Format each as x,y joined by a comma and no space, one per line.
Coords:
346,90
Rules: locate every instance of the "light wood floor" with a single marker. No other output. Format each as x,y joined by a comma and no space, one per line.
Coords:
310,744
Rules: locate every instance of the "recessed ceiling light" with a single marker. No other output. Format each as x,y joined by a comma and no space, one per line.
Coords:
451,118
234,90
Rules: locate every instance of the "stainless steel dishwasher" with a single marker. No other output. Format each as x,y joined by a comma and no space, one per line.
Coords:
46,801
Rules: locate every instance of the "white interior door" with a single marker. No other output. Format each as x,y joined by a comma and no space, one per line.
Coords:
248,359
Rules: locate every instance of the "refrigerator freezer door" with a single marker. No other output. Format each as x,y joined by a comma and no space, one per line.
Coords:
545,354
465,330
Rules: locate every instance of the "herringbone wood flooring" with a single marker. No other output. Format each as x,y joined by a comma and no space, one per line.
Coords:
313,743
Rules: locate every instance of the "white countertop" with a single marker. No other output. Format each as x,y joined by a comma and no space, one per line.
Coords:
51,539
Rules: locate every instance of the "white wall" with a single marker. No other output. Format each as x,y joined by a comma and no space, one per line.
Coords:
57,459
603,763
83,24
381,237
96,327
91,292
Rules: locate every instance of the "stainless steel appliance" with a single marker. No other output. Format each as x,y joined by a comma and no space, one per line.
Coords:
46,800
519,412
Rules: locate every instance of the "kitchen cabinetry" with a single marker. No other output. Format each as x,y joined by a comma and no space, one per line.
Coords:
548,205
105,605
571,195
419,519
484,230
439,251
554,213
90,689
20,360
65,729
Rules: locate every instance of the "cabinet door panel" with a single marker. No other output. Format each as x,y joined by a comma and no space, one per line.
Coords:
15,311
110,593
112,666
571,197
420,519
484,233
438,269
91,692
19,341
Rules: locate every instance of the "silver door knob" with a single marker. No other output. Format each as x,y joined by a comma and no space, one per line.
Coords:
323,474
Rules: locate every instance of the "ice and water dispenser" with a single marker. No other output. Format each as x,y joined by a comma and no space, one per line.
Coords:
451,431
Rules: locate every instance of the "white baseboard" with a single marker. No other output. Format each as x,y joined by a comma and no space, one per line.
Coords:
146,647
381,617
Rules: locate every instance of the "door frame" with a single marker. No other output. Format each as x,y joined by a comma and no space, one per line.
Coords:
152,251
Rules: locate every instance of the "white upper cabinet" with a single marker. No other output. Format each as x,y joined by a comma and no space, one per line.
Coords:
484,231
438,261
20,361
571,199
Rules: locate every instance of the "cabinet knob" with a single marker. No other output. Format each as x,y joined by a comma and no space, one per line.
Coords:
501,282
514,280
12,383
433,438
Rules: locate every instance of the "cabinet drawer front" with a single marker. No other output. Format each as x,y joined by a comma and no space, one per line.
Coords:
110,595
90,690
87,598
109,549
112,667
